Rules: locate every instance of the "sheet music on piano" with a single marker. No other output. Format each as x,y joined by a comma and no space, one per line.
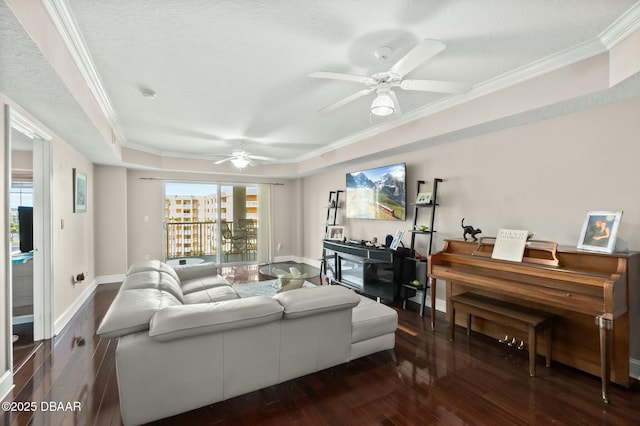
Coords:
510,244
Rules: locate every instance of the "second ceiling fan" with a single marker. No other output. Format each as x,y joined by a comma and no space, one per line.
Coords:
382,83
241,158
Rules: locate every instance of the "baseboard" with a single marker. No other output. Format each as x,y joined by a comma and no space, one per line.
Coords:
441,305
6,384
66,316
109,279
312,262
289,258
634,368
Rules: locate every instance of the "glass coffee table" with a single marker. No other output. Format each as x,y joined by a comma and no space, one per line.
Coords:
270,271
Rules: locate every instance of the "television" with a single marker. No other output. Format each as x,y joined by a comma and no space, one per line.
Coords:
378,193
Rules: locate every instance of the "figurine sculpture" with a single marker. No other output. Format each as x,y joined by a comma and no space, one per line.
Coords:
470,230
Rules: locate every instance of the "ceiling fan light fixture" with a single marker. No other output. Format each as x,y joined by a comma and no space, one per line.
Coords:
240,162
383,105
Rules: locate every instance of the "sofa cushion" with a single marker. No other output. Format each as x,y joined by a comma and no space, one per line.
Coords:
314,300
176,322
153,280
197,284
371,319
153,265
215,294
132,309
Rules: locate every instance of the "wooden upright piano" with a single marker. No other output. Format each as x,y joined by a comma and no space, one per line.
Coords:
593,296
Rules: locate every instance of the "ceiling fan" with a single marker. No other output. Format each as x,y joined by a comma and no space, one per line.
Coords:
241,158
386,102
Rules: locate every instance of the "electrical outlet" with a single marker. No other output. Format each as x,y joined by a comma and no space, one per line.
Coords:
279,247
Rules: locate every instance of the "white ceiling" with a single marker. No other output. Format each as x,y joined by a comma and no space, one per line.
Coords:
234,74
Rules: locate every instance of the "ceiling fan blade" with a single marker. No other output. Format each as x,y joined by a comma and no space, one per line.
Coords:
416,56
259,157
395,102
436,86
222,161
341,76
346,100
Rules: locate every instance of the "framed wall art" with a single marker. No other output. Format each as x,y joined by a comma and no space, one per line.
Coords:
599,231
79,191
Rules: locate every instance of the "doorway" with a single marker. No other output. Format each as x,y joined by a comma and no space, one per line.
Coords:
21,224
29,264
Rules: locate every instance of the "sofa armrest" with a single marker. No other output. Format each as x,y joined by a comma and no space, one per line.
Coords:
314,300
177,322
132,309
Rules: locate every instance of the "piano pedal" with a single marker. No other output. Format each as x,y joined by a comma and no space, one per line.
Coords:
513,342
521,345
505,340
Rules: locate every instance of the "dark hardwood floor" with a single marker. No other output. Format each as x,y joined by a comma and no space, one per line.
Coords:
434,381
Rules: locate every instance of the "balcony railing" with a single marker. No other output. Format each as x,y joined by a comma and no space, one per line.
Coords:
201,239
201,235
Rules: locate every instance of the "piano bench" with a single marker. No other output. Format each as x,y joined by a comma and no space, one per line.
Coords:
511,315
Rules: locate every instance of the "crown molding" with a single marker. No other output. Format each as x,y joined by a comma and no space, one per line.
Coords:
622,27
67,27
24,126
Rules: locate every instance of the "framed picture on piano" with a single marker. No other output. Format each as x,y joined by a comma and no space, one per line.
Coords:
599,231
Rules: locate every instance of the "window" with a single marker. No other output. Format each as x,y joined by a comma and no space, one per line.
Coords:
225,230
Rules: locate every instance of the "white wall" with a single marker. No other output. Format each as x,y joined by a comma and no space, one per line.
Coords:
73,243
111,220
288,223
22,161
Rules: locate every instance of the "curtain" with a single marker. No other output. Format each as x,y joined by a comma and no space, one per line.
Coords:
265,228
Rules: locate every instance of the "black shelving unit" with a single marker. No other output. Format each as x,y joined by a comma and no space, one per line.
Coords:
331,220
409,290
332,209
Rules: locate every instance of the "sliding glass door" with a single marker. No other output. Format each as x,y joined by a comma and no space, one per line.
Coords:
211,222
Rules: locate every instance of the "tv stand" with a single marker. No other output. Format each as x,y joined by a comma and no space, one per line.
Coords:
369,270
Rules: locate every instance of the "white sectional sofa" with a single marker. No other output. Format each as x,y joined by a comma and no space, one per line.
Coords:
186,340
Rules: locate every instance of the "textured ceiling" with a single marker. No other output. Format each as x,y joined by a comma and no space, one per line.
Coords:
232,74
27,78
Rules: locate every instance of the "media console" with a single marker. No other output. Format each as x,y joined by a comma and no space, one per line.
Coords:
370,270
